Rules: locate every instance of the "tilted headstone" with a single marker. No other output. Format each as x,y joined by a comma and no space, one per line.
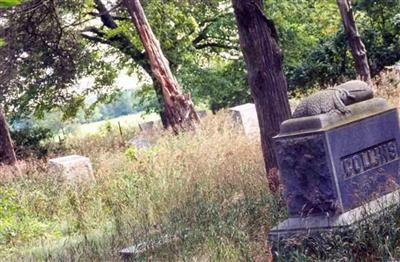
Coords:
147,126
246,116
337,167
72,168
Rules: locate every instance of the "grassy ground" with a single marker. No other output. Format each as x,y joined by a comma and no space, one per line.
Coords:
126,122
205,191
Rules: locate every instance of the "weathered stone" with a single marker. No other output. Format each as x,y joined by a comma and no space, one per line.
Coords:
147,126
72,168
334,99
140,143
246,116
340,221
332,164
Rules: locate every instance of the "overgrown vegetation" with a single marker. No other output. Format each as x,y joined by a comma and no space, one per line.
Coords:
203,187
205,192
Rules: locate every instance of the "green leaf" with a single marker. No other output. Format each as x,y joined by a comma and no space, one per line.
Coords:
2,43
9,3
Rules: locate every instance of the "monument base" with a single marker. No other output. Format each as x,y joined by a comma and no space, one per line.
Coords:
294,229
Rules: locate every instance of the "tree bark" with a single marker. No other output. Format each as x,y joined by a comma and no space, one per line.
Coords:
179,107
263,57
357,46
123,43
7,154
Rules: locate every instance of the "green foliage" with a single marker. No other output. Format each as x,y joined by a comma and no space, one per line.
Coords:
327,64
9,3
31,141
331,61
48,58
301,24
16,222
199,39
5,4
106,128
148,99
130,154
178,187
221,85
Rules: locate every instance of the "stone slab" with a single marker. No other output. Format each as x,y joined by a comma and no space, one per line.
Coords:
246,116
72,168
336,166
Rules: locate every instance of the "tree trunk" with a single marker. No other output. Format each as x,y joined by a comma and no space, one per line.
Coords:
7,154
357,46
179,108
263,57
124,44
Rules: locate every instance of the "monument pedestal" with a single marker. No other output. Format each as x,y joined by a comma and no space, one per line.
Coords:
298,226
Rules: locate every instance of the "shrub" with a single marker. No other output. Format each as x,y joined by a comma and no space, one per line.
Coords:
31,141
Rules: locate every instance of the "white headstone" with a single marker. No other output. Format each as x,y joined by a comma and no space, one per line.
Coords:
246,116
72,168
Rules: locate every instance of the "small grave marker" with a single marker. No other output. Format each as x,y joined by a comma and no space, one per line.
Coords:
246,116
72,168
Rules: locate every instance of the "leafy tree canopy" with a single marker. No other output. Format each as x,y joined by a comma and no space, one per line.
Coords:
50,45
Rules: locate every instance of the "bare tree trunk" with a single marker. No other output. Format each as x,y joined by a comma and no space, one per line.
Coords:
263,57
357,46
7,154
179,107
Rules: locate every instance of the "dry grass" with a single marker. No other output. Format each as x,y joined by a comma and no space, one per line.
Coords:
387,85
207,187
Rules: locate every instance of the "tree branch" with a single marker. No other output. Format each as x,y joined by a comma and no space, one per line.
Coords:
216,45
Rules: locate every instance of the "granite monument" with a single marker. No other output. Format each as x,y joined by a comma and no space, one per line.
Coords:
338,167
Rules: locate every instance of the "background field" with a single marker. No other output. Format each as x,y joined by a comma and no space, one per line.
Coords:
126,122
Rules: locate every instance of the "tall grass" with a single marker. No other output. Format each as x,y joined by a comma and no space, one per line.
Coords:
205,189
205,192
